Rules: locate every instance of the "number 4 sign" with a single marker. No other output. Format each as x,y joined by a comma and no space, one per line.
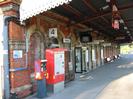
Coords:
53,32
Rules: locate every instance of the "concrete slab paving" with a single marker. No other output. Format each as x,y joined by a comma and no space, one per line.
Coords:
111,81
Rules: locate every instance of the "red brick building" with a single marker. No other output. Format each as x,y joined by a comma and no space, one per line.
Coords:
34,35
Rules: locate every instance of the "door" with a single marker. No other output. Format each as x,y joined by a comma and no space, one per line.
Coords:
35,53
85,60
94,57
78,60
102,56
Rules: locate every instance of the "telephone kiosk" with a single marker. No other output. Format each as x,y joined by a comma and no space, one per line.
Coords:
40,76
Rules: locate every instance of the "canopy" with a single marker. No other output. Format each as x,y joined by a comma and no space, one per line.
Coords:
29,8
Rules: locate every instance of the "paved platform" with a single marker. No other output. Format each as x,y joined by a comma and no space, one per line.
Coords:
111,81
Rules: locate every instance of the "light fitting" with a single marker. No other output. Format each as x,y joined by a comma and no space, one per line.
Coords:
128,32
125,27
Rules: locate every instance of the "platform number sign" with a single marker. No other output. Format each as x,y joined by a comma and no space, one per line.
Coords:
53,32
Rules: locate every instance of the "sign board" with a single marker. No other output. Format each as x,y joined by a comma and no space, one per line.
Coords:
106,44
59,63
66,40
119,38
53,32
17,54
93,43
98,41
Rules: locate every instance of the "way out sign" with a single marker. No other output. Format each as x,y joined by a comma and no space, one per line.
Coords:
53,32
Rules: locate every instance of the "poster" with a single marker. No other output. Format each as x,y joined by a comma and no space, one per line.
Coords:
17,54
102,53
59,63
93,55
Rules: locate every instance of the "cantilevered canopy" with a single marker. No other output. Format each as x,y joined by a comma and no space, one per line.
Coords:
97,14
89,14
29,8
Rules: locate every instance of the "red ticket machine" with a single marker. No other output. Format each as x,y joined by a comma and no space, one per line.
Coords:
55,69
40,73
40,69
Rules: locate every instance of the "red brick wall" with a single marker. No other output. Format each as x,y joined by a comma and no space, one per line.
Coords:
16,32
10,13
19,78
17,42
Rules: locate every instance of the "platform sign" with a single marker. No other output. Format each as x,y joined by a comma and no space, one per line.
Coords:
66,40
53,32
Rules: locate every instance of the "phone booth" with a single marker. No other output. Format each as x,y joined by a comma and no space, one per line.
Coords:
55,69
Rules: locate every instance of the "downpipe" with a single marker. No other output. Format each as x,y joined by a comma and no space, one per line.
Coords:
6,56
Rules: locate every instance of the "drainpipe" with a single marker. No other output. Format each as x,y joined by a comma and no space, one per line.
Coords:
1,56
6,56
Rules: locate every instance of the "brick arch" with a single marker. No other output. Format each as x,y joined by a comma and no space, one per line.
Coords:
35,52
33,29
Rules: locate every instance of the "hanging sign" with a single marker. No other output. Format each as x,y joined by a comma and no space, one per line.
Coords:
100,41
53,32
66,40
106,44
115,24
